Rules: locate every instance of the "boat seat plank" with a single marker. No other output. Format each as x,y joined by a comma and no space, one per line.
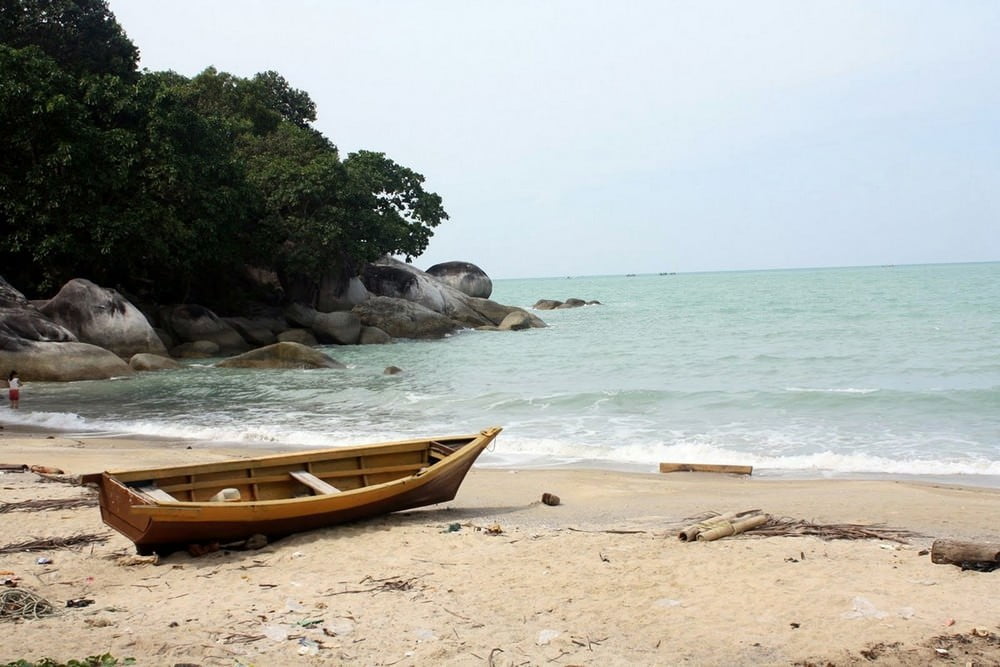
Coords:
313,482
155,493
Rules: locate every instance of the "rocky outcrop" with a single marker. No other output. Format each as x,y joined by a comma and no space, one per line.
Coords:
152,362
189,323
394,279
104,318
282,355
465,277
552,304
404,319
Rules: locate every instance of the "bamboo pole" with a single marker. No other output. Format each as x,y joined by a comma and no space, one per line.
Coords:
690,533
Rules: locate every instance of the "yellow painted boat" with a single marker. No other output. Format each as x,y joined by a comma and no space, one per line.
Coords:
165,509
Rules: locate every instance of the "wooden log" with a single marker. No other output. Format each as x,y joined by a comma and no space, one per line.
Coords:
956,552
705,467
732,528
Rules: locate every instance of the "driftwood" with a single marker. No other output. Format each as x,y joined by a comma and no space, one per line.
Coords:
774,526
42,544
968,555
13,467
44,504
705,467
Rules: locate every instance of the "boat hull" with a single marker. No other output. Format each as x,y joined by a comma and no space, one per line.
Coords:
164,526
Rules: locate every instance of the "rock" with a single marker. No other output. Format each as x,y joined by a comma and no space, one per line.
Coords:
340,328
301,336
252,331
373,336
338,295
10,297
404,319
151,362
392,370
551,304
104,318
392,278
282,355
63,362
301,315
21,326
189,323
465,277
199,349
516,321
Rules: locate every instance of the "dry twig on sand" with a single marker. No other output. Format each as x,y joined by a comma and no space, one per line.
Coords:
787,526
45,504
44,543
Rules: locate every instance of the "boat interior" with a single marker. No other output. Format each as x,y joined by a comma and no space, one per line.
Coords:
289,476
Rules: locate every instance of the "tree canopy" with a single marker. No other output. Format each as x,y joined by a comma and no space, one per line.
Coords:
169,186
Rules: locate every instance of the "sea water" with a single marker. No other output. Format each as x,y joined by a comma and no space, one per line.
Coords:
884,371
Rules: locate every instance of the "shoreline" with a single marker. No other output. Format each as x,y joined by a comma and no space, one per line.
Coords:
241,450
599,579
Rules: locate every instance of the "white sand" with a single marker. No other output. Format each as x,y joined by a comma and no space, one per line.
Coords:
600,579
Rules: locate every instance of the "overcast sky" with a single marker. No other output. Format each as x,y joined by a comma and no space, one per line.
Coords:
591,138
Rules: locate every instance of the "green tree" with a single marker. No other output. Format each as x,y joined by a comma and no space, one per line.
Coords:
82,36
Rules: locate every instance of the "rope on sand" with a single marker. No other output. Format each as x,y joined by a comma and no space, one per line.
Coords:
20,603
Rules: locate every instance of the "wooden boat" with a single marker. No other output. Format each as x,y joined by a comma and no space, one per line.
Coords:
165,509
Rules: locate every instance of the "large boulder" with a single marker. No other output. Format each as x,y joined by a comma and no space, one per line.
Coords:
41,350
373,336
189,323
282,355
335,294
339,327
63,362
404,319
104,318
465,277
19,327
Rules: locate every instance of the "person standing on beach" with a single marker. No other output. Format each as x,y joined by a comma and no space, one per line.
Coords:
14,389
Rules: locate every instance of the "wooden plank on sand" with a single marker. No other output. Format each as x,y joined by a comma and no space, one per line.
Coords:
705,467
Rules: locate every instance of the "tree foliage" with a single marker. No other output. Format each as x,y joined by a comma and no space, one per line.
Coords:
168,186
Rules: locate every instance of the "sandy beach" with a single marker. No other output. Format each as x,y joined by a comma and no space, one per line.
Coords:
496,577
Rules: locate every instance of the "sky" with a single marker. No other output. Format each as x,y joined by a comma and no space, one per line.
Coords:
580,137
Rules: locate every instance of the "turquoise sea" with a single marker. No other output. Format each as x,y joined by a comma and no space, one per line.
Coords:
875,371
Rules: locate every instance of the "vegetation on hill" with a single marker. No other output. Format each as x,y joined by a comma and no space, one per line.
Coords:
168,187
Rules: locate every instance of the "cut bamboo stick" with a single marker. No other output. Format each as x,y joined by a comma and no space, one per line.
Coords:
690,533
732,528
706,467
